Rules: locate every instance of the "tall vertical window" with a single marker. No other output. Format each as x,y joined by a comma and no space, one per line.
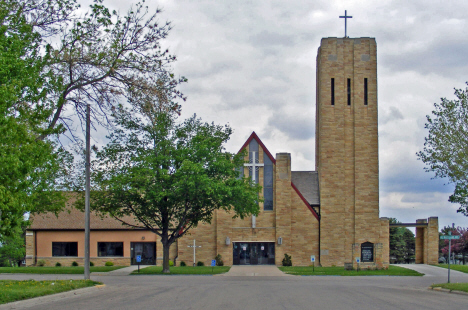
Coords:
267,183
349,91
332,91
365,91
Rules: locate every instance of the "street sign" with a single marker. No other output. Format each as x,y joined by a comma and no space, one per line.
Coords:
450,237
358,260
138,258
213,262
312,258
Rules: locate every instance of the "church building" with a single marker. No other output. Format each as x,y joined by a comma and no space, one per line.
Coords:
329,216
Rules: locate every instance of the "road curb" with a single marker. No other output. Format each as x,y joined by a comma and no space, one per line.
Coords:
445,290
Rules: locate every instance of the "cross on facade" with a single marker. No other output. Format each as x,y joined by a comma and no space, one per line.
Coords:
346,16
194,246
254,166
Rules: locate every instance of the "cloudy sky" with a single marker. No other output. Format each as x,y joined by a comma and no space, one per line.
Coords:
252,64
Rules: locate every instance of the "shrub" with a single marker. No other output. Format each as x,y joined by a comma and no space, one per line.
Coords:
57,264
109,264
171,263
219,260
183,264
200,264
287,260
74,264
40,263
91,264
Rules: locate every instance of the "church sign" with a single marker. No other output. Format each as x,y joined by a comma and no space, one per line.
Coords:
367,252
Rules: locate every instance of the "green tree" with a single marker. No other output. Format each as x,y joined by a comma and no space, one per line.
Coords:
446,146
402,243
168,176
12,249
30,169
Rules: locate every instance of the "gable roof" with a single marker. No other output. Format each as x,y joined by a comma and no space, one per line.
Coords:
307,183
265,150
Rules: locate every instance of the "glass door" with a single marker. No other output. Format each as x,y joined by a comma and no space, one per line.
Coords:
244,253
147,250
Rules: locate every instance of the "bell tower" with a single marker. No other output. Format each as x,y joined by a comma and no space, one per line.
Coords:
346,151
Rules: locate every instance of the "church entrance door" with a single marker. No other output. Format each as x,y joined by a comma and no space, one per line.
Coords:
253,253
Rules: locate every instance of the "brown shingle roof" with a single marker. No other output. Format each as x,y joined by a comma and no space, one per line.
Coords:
72,218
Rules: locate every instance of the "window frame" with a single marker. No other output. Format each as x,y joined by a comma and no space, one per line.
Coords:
67,244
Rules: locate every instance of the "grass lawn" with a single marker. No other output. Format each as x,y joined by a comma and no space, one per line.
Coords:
462,268
339,271
56,270
11,290
453,286
184,270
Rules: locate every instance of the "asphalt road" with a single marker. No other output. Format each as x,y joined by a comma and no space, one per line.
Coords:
253,292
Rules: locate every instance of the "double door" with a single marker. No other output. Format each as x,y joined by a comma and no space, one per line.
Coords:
253,253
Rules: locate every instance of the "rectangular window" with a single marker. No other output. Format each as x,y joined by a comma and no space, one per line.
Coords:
110,248
349,91
267,184
64,248
332,91
365,91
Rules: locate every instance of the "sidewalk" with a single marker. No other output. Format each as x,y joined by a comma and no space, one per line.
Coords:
254,271
120,272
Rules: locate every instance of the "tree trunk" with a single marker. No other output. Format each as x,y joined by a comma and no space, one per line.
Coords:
166,247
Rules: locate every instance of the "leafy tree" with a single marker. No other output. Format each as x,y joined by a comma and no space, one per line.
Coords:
445,148
29,168
402,243
169,177
12,249
458,246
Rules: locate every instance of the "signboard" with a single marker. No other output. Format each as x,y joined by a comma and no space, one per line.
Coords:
138,258
213,262
244,248
450,237
312,258
358,260
263,248
367,252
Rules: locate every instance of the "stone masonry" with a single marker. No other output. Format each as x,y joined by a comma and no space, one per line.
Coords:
347,150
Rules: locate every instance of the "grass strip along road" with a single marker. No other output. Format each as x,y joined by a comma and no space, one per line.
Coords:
340,271
57,270
453,286
11,290
200,270
462,268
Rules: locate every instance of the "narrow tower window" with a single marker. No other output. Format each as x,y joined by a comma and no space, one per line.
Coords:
349,91
332,91
365,91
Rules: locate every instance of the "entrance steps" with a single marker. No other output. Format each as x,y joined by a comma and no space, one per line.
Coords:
255,271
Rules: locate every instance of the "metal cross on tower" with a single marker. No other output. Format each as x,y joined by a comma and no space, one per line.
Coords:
346,16
254,165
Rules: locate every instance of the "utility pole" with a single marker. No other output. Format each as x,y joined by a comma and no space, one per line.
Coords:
87,165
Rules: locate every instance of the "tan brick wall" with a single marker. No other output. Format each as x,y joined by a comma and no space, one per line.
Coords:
347,149
419,243
98,261
432,242
30,253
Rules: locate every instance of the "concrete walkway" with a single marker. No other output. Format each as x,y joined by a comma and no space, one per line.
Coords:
437,272
255,271
119,272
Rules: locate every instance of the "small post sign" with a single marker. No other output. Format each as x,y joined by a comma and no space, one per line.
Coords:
449,237
312,259
358,260
138,260
213,263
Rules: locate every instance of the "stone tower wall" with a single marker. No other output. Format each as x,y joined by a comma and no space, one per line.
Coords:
347,148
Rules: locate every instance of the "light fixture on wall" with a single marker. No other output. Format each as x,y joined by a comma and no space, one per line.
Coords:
143,238
280,240
228,241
